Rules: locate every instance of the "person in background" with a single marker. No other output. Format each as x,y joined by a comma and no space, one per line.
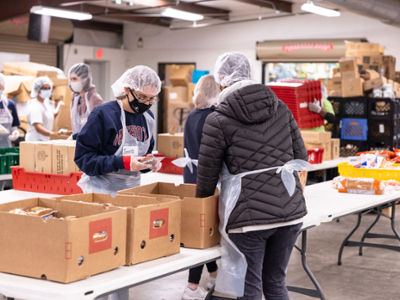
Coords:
117,134
326,111
205,97
41,111
251,129
8,117
84,96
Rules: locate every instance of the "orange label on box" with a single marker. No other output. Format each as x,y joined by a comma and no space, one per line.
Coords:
100,235
159,223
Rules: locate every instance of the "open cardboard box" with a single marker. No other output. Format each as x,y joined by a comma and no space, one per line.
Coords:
199,225
61,250
153,226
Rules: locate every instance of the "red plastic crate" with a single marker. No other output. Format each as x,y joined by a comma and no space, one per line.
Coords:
45,183
315,155
168,167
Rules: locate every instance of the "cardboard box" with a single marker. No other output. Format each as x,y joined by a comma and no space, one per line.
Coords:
363,47
335,149
199,225
362,67
397,77
191,87
43,158
62,93
303,179
173,113
27,154
389,65
63,119
370,84
175,94
170,145
63,155
327,149
315,136
350,75
348,64
62,250
72,167
19,90
146,240
353,87
28,68
369,74
336,93
374,60
181,75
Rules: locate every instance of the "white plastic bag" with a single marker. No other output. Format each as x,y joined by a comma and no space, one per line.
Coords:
185,161
232,271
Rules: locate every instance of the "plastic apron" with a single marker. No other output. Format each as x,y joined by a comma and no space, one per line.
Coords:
185,161
122,179
78,121
232,272
6,120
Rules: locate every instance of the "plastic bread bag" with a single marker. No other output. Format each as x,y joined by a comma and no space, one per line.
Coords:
185,161
232,272
335,181
150,159
367,186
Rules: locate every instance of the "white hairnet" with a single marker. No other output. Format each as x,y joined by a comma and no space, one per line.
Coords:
232,67
206,92
38,83
139,78
84,73
2,81
324,91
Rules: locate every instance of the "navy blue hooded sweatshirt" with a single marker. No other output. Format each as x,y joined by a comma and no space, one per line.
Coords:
102,135
192,139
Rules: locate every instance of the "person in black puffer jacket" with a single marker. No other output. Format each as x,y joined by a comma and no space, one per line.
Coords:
251,129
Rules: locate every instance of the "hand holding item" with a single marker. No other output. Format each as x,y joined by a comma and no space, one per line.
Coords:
14,135
157,166
315,106
137,165
58,107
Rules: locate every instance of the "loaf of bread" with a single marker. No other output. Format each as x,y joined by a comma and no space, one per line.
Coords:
151,160
39,211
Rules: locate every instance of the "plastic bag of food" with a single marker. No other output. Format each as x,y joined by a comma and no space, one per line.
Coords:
368,186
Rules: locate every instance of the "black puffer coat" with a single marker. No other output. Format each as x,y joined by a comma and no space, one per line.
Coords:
250,130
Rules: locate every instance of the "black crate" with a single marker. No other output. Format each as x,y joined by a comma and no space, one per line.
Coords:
383,144
337,105
356,146
383,128
356,107
383,108
335,128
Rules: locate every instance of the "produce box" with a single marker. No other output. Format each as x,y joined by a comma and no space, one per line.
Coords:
170,145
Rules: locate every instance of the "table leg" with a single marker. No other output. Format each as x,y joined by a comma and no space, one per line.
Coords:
348,237
308,292
324,176
369,228
392,220
2,185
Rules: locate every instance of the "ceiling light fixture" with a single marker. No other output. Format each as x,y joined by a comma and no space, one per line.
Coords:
179,14
60,13
310,7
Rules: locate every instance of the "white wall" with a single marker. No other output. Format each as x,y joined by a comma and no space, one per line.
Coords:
118,61
203,45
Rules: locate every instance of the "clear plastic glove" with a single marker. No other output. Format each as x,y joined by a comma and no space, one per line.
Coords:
136,165
315,106
14,135
58,107
157,166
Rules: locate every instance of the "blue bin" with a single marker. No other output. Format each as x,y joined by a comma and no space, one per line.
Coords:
354,129
197,74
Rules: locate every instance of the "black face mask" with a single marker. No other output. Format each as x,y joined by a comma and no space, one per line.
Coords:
137,107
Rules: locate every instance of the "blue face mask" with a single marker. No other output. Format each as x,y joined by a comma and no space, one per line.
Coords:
44,94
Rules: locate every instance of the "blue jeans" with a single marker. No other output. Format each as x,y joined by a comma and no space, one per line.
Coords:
267,253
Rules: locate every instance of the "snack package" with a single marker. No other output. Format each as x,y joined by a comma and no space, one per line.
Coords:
40,211
335,181
19,211
150,159
367,186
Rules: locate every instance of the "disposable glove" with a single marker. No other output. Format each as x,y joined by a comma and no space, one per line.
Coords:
315,106
14,135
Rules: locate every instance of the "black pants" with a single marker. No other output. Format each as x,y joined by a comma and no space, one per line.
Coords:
195,273
267,253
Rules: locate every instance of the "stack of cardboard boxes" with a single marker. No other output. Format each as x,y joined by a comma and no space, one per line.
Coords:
317,139
21,90
53,157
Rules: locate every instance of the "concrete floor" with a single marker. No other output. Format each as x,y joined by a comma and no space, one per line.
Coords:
373,276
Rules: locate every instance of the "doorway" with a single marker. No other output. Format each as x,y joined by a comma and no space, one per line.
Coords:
99,77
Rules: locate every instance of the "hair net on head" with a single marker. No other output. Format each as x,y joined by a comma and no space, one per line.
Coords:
38,83
232,67
324,91
2,81
206,92
139,78
84,73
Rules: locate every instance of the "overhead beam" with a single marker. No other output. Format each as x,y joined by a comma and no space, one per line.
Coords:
93,25
283,6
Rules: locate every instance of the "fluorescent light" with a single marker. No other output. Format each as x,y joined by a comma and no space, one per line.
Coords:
178,14
310,7
60,13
